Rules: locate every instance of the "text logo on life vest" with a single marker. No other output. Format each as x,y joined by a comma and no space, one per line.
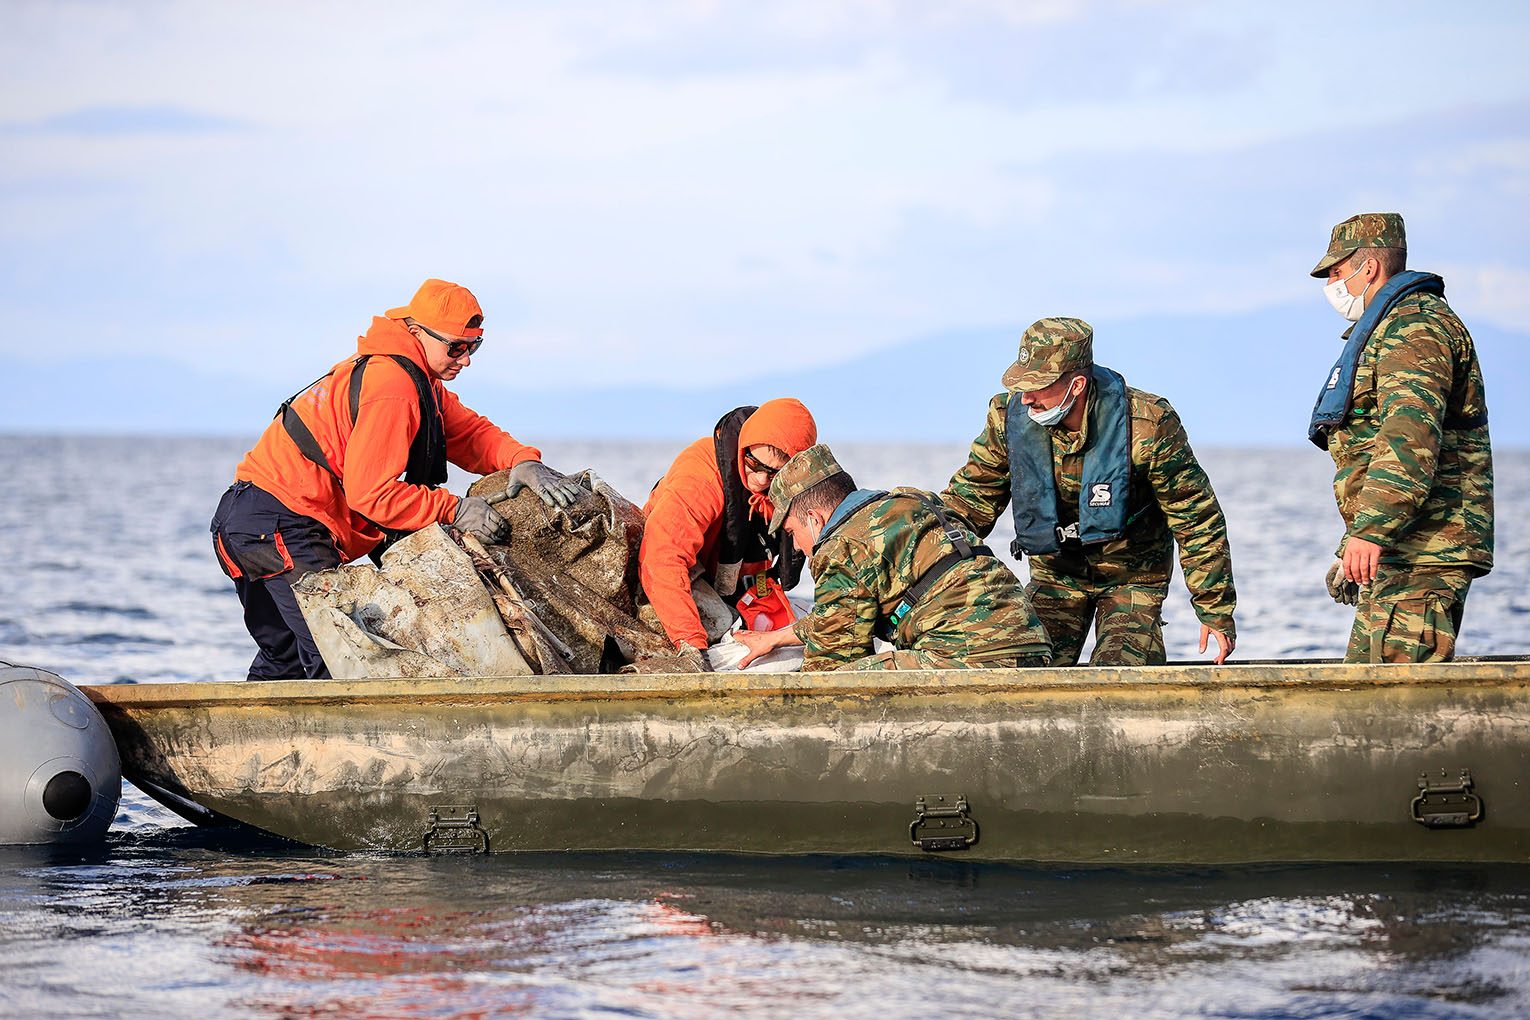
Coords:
1100,495
1333,380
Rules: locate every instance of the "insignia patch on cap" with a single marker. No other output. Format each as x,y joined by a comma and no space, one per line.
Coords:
1024,357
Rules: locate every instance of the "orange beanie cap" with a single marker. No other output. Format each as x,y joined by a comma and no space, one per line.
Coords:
444,307
783,423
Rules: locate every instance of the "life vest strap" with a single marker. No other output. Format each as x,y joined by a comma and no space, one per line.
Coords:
962,550
888,628
427,452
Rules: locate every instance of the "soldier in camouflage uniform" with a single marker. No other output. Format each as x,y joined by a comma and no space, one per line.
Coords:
894,565
1404,415
1102,482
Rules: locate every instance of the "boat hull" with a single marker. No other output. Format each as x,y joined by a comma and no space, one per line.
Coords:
1154,765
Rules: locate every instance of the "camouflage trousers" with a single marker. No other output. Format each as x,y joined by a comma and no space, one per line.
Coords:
1127,619
913,658
1409,615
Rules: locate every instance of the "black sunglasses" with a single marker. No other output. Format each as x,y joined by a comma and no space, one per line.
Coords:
753,464
454,348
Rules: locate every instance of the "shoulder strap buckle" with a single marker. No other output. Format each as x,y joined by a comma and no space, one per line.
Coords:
952,533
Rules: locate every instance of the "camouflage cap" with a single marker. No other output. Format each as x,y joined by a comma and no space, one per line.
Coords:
1049,349
1367,230
797,476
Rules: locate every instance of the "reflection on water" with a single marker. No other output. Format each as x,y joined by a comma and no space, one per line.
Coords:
179,922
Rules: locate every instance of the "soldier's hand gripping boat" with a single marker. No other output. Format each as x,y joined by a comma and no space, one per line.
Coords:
1260,762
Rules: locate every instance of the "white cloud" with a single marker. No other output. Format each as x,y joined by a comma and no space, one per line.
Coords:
617,223
1499,294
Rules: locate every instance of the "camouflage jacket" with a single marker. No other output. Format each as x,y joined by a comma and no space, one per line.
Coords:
1404,479
977,611
1171,500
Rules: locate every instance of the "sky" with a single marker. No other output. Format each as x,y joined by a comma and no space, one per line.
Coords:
652,197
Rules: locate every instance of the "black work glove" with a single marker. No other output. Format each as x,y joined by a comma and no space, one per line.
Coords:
554,489
476,517
1345,593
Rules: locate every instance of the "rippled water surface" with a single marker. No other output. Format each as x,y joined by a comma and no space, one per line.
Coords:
108,577
176,923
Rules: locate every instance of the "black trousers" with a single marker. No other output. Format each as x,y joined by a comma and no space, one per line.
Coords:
264,548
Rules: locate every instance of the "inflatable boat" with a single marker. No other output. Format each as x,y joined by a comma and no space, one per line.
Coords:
1275,761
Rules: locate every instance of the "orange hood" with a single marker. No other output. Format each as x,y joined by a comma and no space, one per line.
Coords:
391,336
784,423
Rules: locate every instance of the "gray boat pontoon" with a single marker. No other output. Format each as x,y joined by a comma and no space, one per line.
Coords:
1174,764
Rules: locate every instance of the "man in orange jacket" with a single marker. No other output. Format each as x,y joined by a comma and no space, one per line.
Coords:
322,485
708,515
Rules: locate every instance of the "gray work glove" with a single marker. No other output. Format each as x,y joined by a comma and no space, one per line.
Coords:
554,488
476,517
1345,593
695,658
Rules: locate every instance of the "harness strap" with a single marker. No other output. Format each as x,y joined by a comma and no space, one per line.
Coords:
887,628
357,374
423,451
953,534
302,436
962,550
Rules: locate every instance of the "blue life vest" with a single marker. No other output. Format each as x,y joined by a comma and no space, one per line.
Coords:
1102,502
848,507
1337,396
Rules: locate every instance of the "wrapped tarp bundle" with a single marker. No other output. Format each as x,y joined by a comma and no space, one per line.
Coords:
424,613
594,542
576,570
557,597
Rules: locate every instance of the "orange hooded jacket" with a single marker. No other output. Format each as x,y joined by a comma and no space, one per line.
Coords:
685,514
371,453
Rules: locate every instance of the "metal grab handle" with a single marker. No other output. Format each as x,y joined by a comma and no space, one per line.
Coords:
940,833
1455,806
457,833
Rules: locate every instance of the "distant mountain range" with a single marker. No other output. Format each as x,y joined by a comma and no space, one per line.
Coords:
1236,380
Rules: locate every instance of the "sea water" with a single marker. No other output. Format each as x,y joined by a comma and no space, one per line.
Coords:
107,576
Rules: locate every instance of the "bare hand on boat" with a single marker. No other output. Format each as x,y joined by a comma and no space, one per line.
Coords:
763,642
1361,558
554,488
1225,644
476,517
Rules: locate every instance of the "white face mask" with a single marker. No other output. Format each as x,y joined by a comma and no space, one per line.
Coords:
805,531
1351,306
1056,414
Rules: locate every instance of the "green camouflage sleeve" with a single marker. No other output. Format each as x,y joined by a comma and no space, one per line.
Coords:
840,628
1195,517
1413,379
979,491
